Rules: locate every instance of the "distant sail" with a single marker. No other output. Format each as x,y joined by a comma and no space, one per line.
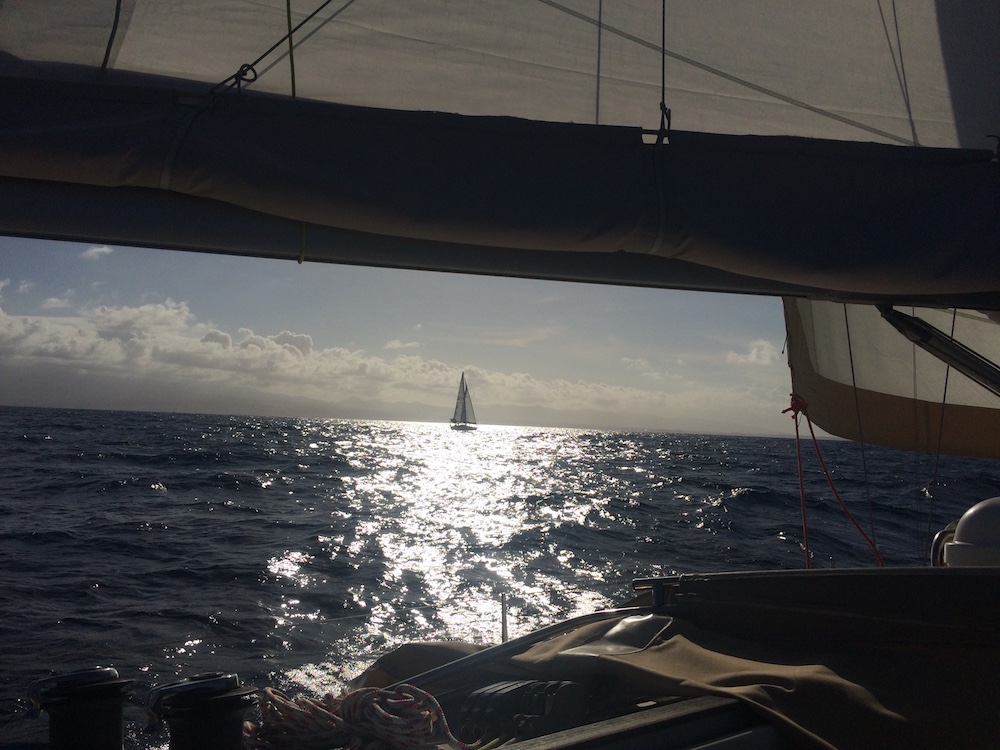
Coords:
465,416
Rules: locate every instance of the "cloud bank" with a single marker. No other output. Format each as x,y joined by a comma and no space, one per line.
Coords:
161,357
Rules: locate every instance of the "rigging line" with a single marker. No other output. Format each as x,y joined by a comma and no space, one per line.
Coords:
662,137
313,32
861,436
732,78
913,388
799,406
920,551
291,46
111,39
234,79
802,489
898,65
664,112
840,500
937,453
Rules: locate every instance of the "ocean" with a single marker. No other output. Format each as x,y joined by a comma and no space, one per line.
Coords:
295,551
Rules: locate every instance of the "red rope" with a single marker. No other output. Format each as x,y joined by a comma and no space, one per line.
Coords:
800,406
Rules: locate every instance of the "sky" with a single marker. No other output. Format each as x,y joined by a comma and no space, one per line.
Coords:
99,327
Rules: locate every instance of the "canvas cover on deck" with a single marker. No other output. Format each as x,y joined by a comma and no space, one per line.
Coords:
834,659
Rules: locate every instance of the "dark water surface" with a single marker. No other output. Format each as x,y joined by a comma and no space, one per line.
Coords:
295,551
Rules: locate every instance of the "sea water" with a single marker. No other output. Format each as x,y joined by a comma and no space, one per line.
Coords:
295,551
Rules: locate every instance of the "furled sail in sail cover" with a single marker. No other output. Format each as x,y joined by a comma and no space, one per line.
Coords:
96,145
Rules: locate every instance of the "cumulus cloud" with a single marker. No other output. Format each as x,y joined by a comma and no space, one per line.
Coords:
647,370
397,344
635,364
301,341
24,286
759,352
217,337
96,252
142,322
166,358
55,303
153,317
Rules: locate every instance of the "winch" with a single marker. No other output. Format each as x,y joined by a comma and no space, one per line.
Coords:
204,712
84,708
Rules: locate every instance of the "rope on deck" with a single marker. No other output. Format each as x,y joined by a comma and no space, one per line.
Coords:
366,719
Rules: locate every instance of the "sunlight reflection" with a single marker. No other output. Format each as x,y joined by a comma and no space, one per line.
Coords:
458,502
426,527
290,566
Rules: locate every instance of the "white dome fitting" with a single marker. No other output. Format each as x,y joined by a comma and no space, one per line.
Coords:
977,537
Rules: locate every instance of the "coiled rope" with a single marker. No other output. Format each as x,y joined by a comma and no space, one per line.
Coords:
366,719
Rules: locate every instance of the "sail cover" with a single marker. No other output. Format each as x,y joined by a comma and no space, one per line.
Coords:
508,138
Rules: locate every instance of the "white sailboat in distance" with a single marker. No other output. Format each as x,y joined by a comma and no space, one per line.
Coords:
464,417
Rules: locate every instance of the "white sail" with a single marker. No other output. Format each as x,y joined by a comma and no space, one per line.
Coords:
863,380
464,417
850,70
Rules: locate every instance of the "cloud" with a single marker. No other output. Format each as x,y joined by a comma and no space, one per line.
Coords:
300,341
760,352
55,303
397,344
96,252
635,364
218,337
159,356
519,337
143,322
647,370
24,286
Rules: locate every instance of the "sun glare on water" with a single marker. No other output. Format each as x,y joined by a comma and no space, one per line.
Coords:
453,516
